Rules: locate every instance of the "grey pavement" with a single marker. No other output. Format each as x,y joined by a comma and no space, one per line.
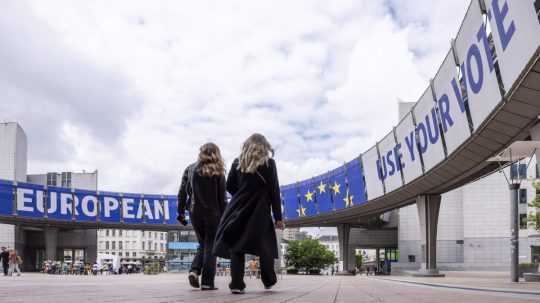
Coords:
174,288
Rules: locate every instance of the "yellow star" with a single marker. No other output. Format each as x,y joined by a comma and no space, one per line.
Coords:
301,211
322,188
309,196
348,200
336,187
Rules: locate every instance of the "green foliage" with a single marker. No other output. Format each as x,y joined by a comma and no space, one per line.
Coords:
359,258
534,216
309,254
152,268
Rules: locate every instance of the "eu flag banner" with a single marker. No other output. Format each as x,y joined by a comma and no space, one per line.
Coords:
339,187
6,197
323,192
308,198
356,185
290,201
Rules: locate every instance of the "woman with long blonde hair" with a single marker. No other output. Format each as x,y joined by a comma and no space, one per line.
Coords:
247,226
203,192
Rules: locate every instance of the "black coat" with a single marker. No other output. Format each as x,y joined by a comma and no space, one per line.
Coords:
5,257
247,226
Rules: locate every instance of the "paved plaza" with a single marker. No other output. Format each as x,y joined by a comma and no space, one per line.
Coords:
309,289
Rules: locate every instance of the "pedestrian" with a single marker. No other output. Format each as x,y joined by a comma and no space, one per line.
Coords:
333,270
13,263
202,191
4,256
246,226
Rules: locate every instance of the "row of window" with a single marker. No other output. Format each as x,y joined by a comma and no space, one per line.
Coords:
130,233
145,245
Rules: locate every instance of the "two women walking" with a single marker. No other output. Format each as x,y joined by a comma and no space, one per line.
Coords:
243,226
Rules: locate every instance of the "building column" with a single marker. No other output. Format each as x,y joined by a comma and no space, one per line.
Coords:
428,214
51,243
344,232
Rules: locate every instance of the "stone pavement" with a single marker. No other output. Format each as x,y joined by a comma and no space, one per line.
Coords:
174,288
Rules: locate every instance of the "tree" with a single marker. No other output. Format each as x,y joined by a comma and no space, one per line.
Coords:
359,258
534,216
309,254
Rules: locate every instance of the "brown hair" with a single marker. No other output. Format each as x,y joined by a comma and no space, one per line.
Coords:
256,151
210,161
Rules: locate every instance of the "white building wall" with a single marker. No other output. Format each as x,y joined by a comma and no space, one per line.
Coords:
13,159
155,243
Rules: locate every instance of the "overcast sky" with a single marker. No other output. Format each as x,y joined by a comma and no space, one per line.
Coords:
133,88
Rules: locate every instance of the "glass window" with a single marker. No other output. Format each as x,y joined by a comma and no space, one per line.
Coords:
523,171
51,179
119,244
107,232
523,195
113,232
412,258
155,246
161,236
134,254
113,253
535,250
161,246
120,232
106,244
522,221
143,244
113,245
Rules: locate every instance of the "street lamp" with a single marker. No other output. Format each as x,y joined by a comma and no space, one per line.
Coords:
515,153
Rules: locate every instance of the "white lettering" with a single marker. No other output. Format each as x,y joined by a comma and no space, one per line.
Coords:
23,199
127,208
109,204
66,202
85,206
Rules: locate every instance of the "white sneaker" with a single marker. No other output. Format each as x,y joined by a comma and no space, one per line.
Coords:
238,291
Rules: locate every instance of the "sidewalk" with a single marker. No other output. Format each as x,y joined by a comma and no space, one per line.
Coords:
470,280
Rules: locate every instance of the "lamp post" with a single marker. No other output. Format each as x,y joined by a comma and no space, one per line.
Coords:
515,154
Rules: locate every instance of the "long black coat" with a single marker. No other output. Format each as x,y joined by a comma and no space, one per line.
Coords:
247,226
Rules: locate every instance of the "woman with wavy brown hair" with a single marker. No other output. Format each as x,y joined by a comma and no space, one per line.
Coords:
247,226
203,190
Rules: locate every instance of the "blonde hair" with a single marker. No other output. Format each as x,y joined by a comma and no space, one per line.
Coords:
210,161
256,151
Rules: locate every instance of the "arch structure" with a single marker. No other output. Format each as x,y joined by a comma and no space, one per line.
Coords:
484,96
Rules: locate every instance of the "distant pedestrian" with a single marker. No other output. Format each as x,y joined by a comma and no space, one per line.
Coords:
202,191
333,270
14,263
247,226
4,256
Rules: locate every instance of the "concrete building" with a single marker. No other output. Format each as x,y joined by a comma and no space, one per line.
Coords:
133,245
331,242
13,159
474,224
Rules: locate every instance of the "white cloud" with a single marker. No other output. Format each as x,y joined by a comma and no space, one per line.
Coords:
139,85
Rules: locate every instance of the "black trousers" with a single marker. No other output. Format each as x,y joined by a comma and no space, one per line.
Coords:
266,261
5,267
205,224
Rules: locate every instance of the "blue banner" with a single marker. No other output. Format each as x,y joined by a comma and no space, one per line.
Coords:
6,197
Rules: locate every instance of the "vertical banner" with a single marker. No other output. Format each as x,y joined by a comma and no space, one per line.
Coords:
406,148
355,179
308,197
132,208
29,202
516,34
155,211
324,194
109,207
170,208
60,203
339,187
390,164
374,181
288,194
451,104
429,141
6,198
86,205
476,63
